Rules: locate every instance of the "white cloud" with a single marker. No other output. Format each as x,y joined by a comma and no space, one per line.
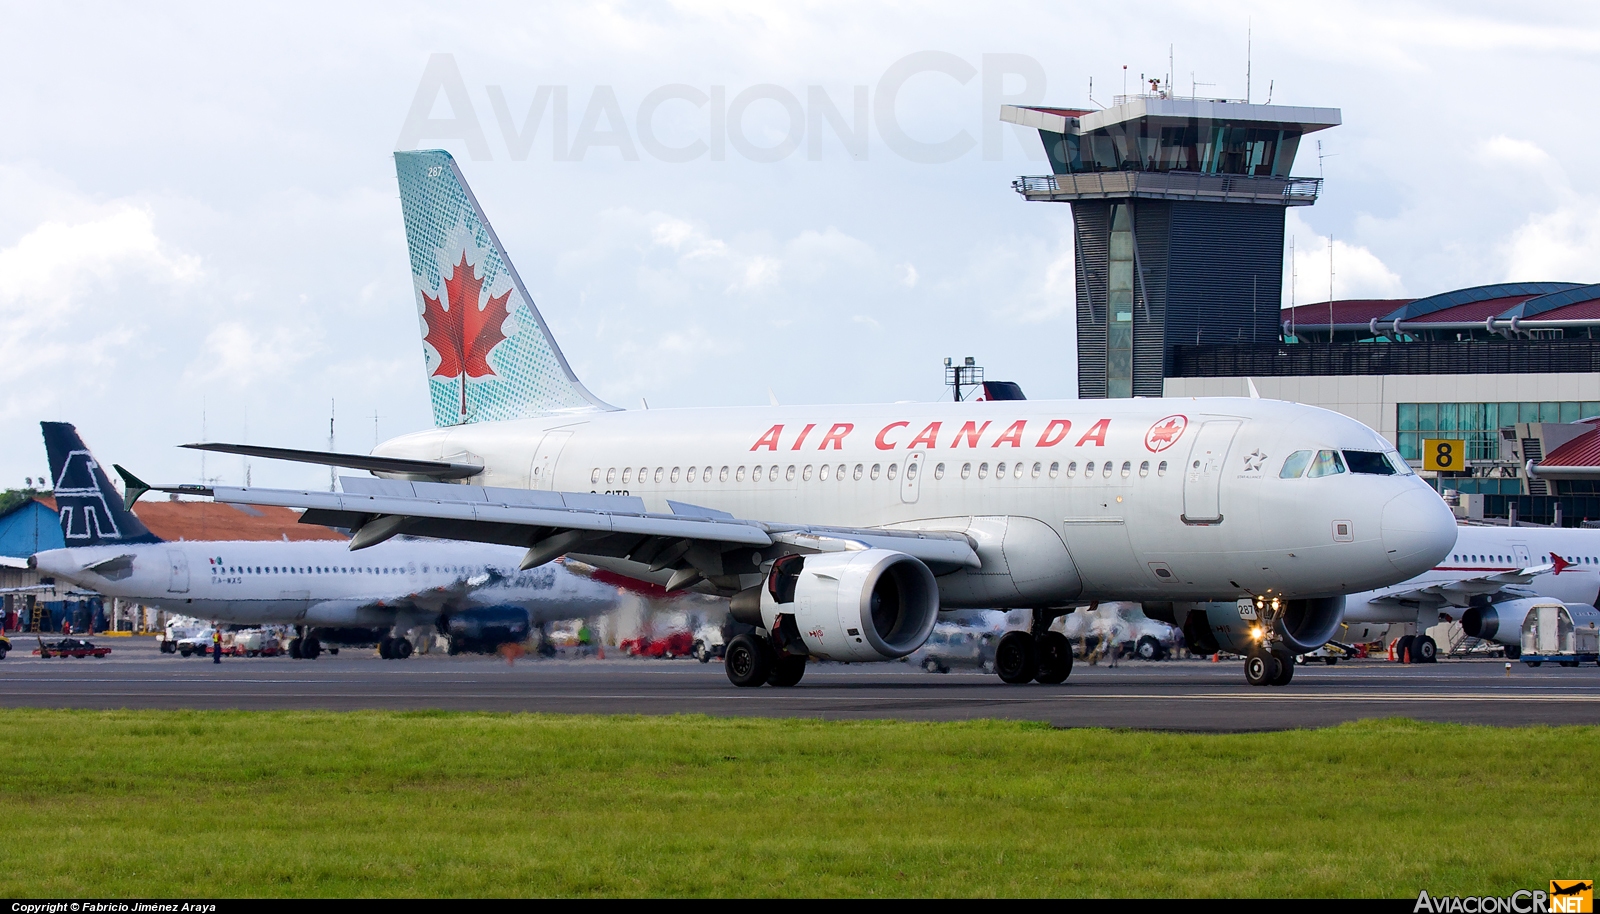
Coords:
238,355
1357,272
1563,245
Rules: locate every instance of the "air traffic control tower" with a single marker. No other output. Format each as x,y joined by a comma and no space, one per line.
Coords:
1178,211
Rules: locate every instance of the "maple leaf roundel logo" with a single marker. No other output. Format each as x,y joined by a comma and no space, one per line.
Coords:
1165,433
462,327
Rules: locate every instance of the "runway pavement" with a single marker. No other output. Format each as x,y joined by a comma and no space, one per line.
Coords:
1175,695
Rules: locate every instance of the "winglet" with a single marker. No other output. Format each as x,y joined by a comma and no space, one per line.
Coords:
133,487
1560,563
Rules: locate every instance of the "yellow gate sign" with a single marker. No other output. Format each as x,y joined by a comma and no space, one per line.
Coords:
1444,454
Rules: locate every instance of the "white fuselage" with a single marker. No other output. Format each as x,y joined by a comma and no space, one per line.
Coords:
1479,552
321,582
1065,500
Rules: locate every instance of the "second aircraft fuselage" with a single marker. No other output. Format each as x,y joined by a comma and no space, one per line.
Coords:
1068,500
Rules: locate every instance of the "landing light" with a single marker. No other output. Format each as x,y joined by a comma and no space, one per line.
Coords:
1255,633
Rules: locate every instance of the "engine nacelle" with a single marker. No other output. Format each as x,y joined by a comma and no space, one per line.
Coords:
1499,622
865,605
1302,625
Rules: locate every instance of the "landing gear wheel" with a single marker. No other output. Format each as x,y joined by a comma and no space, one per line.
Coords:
1424,650
1016,659
1261,669
1330,661
1403,651
294,649
748,661
402,648
1513,651
931,665
310,648
787,670
386,648
1285,669
1054,653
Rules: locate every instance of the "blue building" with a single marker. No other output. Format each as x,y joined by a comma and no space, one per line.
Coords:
33,526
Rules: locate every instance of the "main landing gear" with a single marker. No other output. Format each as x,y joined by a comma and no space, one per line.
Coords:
392,648
303,646
1036,655
751,661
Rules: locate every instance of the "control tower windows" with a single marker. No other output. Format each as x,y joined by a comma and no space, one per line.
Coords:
1119,329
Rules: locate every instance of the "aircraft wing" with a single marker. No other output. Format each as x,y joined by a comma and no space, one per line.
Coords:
1460,592
689,546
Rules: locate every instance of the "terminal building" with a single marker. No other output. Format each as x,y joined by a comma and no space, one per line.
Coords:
1178,211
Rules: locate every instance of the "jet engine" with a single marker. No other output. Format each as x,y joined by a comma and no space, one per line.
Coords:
861,605
481,630
1499,622
1301,625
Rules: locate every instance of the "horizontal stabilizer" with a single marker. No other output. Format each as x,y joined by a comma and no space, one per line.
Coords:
400,466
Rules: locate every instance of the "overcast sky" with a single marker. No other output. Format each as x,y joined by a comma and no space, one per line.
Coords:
198,212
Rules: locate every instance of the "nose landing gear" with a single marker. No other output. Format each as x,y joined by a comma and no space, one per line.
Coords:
1269,662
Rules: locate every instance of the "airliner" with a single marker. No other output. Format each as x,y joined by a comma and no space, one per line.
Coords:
476,595
841,532
1490,580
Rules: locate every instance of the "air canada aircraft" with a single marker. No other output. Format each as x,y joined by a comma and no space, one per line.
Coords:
1490,580
475,595
841,532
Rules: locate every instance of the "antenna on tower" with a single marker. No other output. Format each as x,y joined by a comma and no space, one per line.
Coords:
1330,288
333,472
1270,84
1248,29
1293,275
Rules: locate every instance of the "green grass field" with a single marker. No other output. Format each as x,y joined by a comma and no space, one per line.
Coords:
374,804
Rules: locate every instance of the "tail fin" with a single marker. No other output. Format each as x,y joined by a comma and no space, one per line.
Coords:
91,511
488,351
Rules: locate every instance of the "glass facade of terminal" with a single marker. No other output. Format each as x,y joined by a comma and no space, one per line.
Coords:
1193,145
1479,425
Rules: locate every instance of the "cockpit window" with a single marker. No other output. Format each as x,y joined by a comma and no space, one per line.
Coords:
1327,463
1371,463
1399,463
1295,465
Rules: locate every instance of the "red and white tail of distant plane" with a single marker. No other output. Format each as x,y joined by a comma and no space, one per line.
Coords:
841,531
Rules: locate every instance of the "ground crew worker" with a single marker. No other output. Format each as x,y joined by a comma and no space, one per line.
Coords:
216,645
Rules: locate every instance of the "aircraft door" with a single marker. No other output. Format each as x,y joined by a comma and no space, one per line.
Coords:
542,474
178,576
1202,478
1524,558
911,482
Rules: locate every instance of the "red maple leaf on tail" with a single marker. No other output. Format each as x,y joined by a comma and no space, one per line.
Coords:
459,329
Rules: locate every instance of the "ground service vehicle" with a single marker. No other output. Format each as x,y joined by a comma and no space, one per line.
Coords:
71,647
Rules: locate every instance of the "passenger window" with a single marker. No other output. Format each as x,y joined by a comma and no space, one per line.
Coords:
966,470
689,477
1106,471
841,472
806,473
983,471
594,475
658,474
893,469
1072,469
1161,468
626,472
675,474
822,472
611,476
1328,463
876,469
999,471
1144,469
1295,465
738,475
1088,469
643,472
1055,469
1370,463
772,473
722,475
856,473
788,475
756,474
1036,469
1127,468
705,474
938,471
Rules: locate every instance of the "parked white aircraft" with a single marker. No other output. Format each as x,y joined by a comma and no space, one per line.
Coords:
842,531
1488,582
476,595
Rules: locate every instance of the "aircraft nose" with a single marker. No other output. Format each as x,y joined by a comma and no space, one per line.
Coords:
1418,530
